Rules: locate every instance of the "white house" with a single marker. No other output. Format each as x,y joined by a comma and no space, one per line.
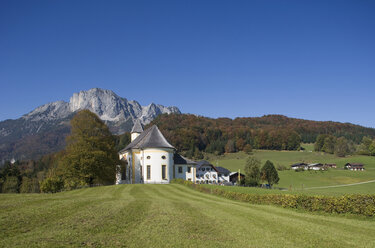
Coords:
316,166
223,174
149,158
206,173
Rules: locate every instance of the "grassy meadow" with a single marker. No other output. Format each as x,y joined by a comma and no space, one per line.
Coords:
306,181
168,216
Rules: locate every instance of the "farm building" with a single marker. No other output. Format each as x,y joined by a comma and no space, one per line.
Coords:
299,166
316,166
304,166
234,176
330,165
354,166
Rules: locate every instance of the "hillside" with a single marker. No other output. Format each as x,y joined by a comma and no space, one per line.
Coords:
275,132
300,181
167,216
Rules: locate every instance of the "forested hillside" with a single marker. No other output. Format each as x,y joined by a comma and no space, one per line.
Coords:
193,134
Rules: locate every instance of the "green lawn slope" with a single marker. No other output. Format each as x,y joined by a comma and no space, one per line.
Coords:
308,180
167,216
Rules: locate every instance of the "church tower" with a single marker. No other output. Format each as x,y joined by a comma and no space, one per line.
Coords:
137,130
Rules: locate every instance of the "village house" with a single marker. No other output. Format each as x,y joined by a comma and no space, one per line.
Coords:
206,172
354,166
304,166
316,166
330,166
299,166
235,176
223,176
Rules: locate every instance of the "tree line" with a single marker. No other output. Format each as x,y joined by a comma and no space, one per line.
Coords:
192,134
342,146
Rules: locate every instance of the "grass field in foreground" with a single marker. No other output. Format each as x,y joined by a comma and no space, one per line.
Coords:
290,179
167,216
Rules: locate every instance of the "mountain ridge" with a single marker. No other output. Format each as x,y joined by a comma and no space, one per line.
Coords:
52,120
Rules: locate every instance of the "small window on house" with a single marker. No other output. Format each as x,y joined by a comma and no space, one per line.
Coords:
163,157
141,171
148,157
189,179
148,172
163,172
180,169
189,169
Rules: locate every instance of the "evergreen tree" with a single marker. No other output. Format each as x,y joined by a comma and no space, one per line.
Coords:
319,143
269,173
252,171
90,157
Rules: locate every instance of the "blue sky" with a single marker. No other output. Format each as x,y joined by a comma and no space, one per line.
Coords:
305,59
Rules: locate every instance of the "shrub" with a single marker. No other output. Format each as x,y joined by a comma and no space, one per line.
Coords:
52,185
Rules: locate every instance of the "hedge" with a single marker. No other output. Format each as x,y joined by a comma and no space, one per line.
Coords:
363,204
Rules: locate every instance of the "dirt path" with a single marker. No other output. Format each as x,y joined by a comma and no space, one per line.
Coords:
342,185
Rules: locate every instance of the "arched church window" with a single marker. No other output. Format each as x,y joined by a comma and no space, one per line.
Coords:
163,157
148,157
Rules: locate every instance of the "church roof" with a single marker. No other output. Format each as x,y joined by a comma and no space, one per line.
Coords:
137,128
178,159
150,138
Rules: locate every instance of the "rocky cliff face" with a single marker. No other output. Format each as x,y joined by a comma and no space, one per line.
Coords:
53,118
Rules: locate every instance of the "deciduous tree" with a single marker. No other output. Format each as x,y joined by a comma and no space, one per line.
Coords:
91,157
252,171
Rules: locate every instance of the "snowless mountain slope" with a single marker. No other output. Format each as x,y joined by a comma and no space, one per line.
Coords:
17,137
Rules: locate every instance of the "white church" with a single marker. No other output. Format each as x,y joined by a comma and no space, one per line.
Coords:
149,158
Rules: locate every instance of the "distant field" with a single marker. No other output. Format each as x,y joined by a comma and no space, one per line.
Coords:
168,216
301,180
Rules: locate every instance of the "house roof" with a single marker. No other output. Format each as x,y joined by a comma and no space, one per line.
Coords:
150,138
236,174
137,128
222,170
203,163
354,164
316,164
298,164
178,159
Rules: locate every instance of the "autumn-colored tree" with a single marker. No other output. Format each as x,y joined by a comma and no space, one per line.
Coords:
91,157
240,144
230,146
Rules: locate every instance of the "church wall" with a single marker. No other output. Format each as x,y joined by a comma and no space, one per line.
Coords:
154,158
